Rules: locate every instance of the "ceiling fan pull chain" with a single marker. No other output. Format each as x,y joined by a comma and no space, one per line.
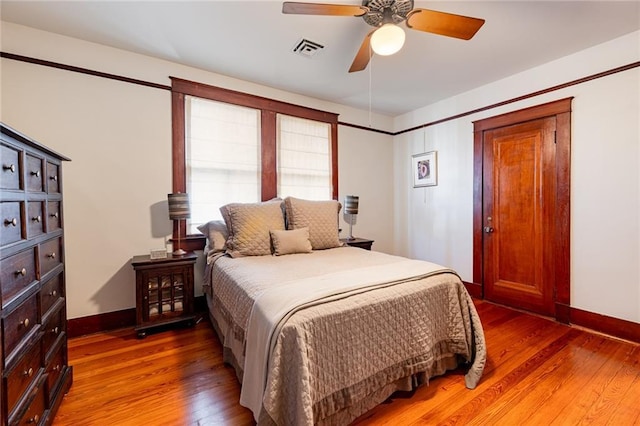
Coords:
370,71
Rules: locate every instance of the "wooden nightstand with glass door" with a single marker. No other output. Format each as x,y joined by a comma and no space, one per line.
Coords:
164,291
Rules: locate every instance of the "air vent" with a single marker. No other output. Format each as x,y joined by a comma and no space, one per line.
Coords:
307,48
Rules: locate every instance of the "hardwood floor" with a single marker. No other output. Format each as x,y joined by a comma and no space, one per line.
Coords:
538,372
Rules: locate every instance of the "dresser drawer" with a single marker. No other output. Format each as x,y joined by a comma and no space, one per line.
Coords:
50,293
53,216
18,323
52,330
54,371
35,219
35,174
50,255
53,178
26,371
18,272
34,414
10,174
11,222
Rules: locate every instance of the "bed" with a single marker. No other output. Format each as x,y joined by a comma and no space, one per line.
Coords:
320,336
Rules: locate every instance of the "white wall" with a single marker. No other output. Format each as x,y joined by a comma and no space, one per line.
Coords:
436,223
366,171
118,136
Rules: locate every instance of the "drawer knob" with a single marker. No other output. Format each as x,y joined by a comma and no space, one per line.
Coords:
55,330
13,222
10,167
22,272
53,293
25,322
35,173
52,255
54,215
36,218
28,373
34,419
54,178
56,368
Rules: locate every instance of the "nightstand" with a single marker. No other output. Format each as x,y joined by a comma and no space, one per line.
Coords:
164,291
358,242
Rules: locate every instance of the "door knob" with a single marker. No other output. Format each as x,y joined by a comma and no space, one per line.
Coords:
488,229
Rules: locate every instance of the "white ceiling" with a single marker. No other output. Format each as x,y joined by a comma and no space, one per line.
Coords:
253,40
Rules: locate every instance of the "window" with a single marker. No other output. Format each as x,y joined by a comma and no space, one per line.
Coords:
304,161
235,147
222,145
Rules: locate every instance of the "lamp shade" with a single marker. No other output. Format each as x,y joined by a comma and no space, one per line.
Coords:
387,39
351,204
179,206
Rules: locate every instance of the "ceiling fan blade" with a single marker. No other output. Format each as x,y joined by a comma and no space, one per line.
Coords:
363,56
299,8
446,24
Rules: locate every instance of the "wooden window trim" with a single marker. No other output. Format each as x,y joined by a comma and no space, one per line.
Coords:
269,109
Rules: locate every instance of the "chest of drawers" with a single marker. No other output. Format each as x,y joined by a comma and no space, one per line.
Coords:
34,365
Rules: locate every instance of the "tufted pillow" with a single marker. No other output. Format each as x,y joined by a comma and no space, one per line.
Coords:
249,225
217,235
291,242
321,217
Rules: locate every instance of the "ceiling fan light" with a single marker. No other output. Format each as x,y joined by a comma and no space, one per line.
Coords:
387,39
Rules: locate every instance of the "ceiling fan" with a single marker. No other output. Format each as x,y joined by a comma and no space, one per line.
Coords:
385,15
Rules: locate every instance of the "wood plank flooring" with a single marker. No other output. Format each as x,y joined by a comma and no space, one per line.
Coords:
538,372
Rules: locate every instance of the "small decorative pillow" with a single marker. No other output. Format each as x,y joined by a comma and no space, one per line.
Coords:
321,217
290,242
249,225
217,235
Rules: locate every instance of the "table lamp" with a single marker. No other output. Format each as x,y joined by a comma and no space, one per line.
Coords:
179,210
351,208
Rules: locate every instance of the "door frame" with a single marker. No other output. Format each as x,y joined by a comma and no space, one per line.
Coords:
561,109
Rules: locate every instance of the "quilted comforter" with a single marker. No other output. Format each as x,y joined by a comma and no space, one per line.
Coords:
336,355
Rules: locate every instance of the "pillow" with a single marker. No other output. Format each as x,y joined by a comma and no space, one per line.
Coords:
217,235
321,217
290,242
249,225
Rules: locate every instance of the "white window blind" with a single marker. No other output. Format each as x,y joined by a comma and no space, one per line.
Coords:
304,158
222,143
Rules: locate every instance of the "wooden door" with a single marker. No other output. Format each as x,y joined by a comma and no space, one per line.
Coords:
519,208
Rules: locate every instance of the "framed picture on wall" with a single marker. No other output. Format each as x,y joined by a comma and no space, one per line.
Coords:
425,169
